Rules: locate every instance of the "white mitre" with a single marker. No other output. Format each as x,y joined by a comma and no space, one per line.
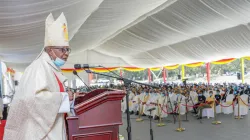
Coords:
56,31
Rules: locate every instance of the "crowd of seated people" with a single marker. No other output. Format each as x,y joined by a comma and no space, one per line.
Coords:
192,97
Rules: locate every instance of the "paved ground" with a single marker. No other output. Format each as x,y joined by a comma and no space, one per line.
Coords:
230,129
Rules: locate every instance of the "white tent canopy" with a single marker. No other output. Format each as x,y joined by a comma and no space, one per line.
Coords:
143,33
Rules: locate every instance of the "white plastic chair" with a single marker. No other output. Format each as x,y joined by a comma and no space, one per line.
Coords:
229,101
218,109
208,112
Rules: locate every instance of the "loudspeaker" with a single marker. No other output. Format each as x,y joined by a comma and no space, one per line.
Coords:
238,76
179,77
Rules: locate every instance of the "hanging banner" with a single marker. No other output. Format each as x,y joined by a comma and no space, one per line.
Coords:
149,76
172,67
223,61
164,76
208,72
182,72
133,69
193,65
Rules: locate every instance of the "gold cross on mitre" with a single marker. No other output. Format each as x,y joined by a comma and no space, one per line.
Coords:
65,32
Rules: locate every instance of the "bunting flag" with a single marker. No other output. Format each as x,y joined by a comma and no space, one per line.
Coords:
66,70
172,67
136,69
104,69
193,65
133,69
155,69
223,61
247,57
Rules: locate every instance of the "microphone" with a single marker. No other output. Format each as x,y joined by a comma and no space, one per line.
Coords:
88,71
75,73
77,66
151,109
84,66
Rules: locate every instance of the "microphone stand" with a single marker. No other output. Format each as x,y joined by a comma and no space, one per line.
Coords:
76,74
127,83
150,119
186,120
171,107
186,101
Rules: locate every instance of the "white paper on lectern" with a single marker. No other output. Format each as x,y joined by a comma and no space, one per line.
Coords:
65,105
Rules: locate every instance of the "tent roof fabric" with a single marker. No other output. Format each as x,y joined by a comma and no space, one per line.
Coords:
141,33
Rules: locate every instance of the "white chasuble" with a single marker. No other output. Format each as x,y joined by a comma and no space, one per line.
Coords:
34,110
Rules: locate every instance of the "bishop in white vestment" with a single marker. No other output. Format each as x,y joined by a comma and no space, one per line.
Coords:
41,102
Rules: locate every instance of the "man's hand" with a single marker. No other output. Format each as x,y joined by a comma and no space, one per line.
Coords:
79,94
71,95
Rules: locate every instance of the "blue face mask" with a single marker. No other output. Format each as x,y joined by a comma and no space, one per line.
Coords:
162,95
235,92
199,94
146,93
59,62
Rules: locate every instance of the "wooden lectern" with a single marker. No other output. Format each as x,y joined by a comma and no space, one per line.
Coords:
97,116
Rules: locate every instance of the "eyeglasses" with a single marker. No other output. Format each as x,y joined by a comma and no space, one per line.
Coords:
63,50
